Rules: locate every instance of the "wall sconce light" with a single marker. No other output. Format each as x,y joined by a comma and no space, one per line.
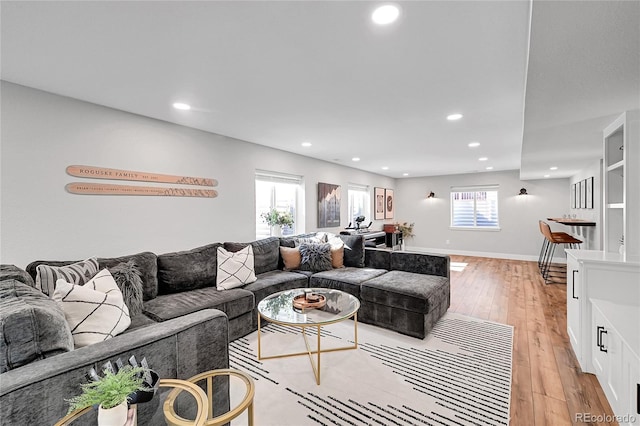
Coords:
431,195
523,191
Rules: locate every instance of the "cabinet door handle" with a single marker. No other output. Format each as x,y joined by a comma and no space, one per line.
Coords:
573,285
601,331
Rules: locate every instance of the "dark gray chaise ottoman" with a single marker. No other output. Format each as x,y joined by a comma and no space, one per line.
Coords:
406,302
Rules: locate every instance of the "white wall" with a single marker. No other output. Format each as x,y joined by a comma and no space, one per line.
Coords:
592,236
43,133
519,236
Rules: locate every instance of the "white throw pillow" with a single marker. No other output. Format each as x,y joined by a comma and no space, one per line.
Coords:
235,269
95,311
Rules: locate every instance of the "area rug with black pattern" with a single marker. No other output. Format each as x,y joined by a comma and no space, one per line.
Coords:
460,374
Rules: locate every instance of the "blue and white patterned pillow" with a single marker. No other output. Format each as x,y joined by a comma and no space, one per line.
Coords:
315,257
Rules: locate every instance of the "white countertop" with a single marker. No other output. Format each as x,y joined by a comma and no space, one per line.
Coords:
604,257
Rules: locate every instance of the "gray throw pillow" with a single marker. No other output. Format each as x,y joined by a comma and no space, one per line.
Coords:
353,250
315,257
129,281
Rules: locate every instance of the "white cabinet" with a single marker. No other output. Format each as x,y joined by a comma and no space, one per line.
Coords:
615,356
574,309
621,174
600,275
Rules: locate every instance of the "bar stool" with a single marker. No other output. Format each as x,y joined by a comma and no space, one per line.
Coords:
551,239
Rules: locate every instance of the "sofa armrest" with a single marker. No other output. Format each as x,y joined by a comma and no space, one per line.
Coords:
420,263
178,348
12,272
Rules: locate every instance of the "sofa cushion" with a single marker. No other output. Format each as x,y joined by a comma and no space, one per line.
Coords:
127,277
274,281
12,272
346,279
234,302
353,250
265,253
407,291
32,326
377,258
315,257
420,263
95,311
147,264
235,269
75,273
187,270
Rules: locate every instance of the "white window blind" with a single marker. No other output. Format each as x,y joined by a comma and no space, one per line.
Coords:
475,207
283,192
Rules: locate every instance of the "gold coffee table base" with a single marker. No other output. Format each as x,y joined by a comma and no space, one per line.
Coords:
315,365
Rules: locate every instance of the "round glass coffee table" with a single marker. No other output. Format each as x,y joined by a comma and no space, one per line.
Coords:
338,306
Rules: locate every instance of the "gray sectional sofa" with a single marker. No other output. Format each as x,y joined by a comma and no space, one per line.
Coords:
187,324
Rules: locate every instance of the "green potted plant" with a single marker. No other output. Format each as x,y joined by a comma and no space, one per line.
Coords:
111,394
276,220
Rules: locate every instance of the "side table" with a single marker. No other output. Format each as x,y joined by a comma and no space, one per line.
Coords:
245,404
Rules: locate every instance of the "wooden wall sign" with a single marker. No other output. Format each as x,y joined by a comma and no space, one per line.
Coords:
112,189
117,174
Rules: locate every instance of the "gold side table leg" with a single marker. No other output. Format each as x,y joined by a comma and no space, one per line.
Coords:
318,377
259,351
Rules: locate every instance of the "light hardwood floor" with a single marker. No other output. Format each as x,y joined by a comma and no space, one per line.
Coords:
547,385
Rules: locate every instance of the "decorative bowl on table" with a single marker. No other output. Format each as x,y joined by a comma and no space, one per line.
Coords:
309,301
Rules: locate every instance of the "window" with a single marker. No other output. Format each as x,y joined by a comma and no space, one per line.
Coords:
358,203
282,192
474,207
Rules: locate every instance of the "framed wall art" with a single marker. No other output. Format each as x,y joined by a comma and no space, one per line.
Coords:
578,197
328,205
573,196
589,183
583,194
378,203
389,206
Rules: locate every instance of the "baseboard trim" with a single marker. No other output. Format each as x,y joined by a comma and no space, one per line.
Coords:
512,256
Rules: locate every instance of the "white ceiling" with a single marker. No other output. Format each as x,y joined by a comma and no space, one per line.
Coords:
279,73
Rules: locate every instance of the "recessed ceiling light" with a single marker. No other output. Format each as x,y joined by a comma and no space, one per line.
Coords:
355,159
405,174
306,144
474,144
385,168
553,168
489,168
547,176
483,158
181,106
386,14
453,117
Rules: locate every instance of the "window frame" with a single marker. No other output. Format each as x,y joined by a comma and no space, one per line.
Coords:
366,190
475,190
283,178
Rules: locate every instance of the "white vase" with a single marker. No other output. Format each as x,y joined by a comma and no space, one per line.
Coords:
276,231
116,416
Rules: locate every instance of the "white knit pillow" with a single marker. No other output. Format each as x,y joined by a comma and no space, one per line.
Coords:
235,269
95,311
